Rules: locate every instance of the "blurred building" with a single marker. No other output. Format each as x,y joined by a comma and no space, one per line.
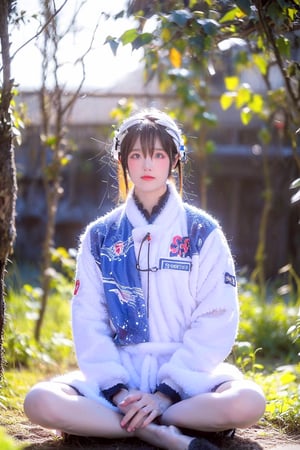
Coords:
234,170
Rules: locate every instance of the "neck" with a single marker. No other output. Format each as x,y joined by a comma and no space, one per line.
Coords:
149,199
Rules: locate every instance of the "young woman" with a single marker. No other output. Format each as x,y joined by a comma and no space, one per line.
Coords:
154,312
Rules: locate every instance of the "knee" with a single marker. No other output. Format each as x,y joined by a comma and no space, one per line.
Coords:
39,405
248,406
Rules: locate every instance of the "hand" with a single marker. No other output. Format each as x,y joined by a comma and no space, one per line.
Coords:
140,409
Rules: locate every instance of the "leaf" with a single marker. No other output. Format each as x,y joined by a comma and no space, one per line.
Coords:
113,43
287,377
65,160
226,100
141,40
283,45
230,15
244,6
243,96
295,184
119,15
296,197
231,83
246,116
146,37
129,36
291,329
274,10
197,43
256,103
210,26
260,43
50,141
175,58
258,366
28,288
209,147
210,118
227,44
166,35
285,268
180,17
264,135
292,12
261,62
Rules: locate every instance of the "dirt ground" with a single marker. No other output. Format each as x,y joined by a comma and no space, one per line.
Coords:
255,438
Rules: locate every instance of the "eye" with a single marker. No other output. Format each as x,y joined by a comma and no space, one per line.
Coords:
160,154
134,155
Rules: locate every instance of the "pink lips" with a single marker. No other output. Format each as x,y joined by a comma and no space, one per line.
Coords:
147,178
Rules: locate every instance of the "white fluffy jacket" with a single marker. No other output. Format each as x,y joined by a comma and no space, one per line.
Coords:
193,315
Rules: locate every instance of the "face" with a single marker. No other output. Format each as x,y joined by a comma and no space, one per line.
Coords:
149,174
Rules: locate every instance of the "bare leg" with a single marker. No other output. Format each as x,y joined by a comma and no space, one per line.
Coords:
168,437
58,406
236,404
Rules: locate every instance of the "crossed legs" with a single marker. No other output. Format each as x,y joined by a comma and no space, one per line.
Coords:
57,406
235,404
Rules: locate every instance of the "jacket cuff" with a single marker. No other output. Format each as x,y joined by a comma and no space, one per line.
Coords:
169,392
108,394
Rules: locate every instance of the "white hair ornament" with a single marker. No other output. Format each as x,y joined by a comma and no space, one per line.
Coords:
169,125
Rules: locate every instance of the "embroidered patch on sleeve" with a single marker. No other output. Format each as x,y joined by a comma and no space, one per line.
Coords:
229,279
77,285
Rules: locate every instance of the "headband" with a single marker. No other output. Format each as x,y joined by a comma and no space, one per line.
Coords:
163,120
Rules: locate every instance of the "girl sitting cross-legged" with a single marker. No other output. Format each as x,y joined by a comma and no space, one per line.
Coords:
154,312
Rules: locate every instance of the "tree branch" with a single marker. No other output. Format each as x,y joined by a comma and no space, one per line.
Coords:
40,31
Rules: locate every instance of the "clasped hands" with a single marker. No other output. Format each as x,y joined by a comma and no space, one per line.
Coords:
140,408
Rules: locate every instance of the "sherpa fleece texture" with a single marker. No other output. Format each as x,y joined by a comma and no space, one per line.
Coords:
193,315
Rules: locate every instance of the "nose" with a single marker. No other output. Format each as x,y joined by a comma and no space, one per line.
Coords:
148,163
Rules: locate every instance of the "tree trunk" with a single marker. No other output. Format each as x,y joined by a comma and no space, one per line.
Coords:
8,187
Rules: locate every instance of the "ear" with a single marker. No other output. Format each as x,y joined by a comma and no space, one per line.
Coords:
175,162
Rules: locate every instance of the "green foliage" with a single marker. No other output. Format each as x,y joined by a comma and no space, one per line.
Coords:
267,351
281,388
7,443
21,349
294,331
63,262
197,42
265,325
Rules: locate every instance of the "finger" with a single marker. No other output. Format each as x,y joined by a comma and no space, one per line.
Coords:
143,418
137,420
152,416
129,415
130,398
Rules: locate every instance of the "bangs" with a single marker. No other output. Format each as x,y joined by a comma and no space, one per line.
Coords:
148,135
148,132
